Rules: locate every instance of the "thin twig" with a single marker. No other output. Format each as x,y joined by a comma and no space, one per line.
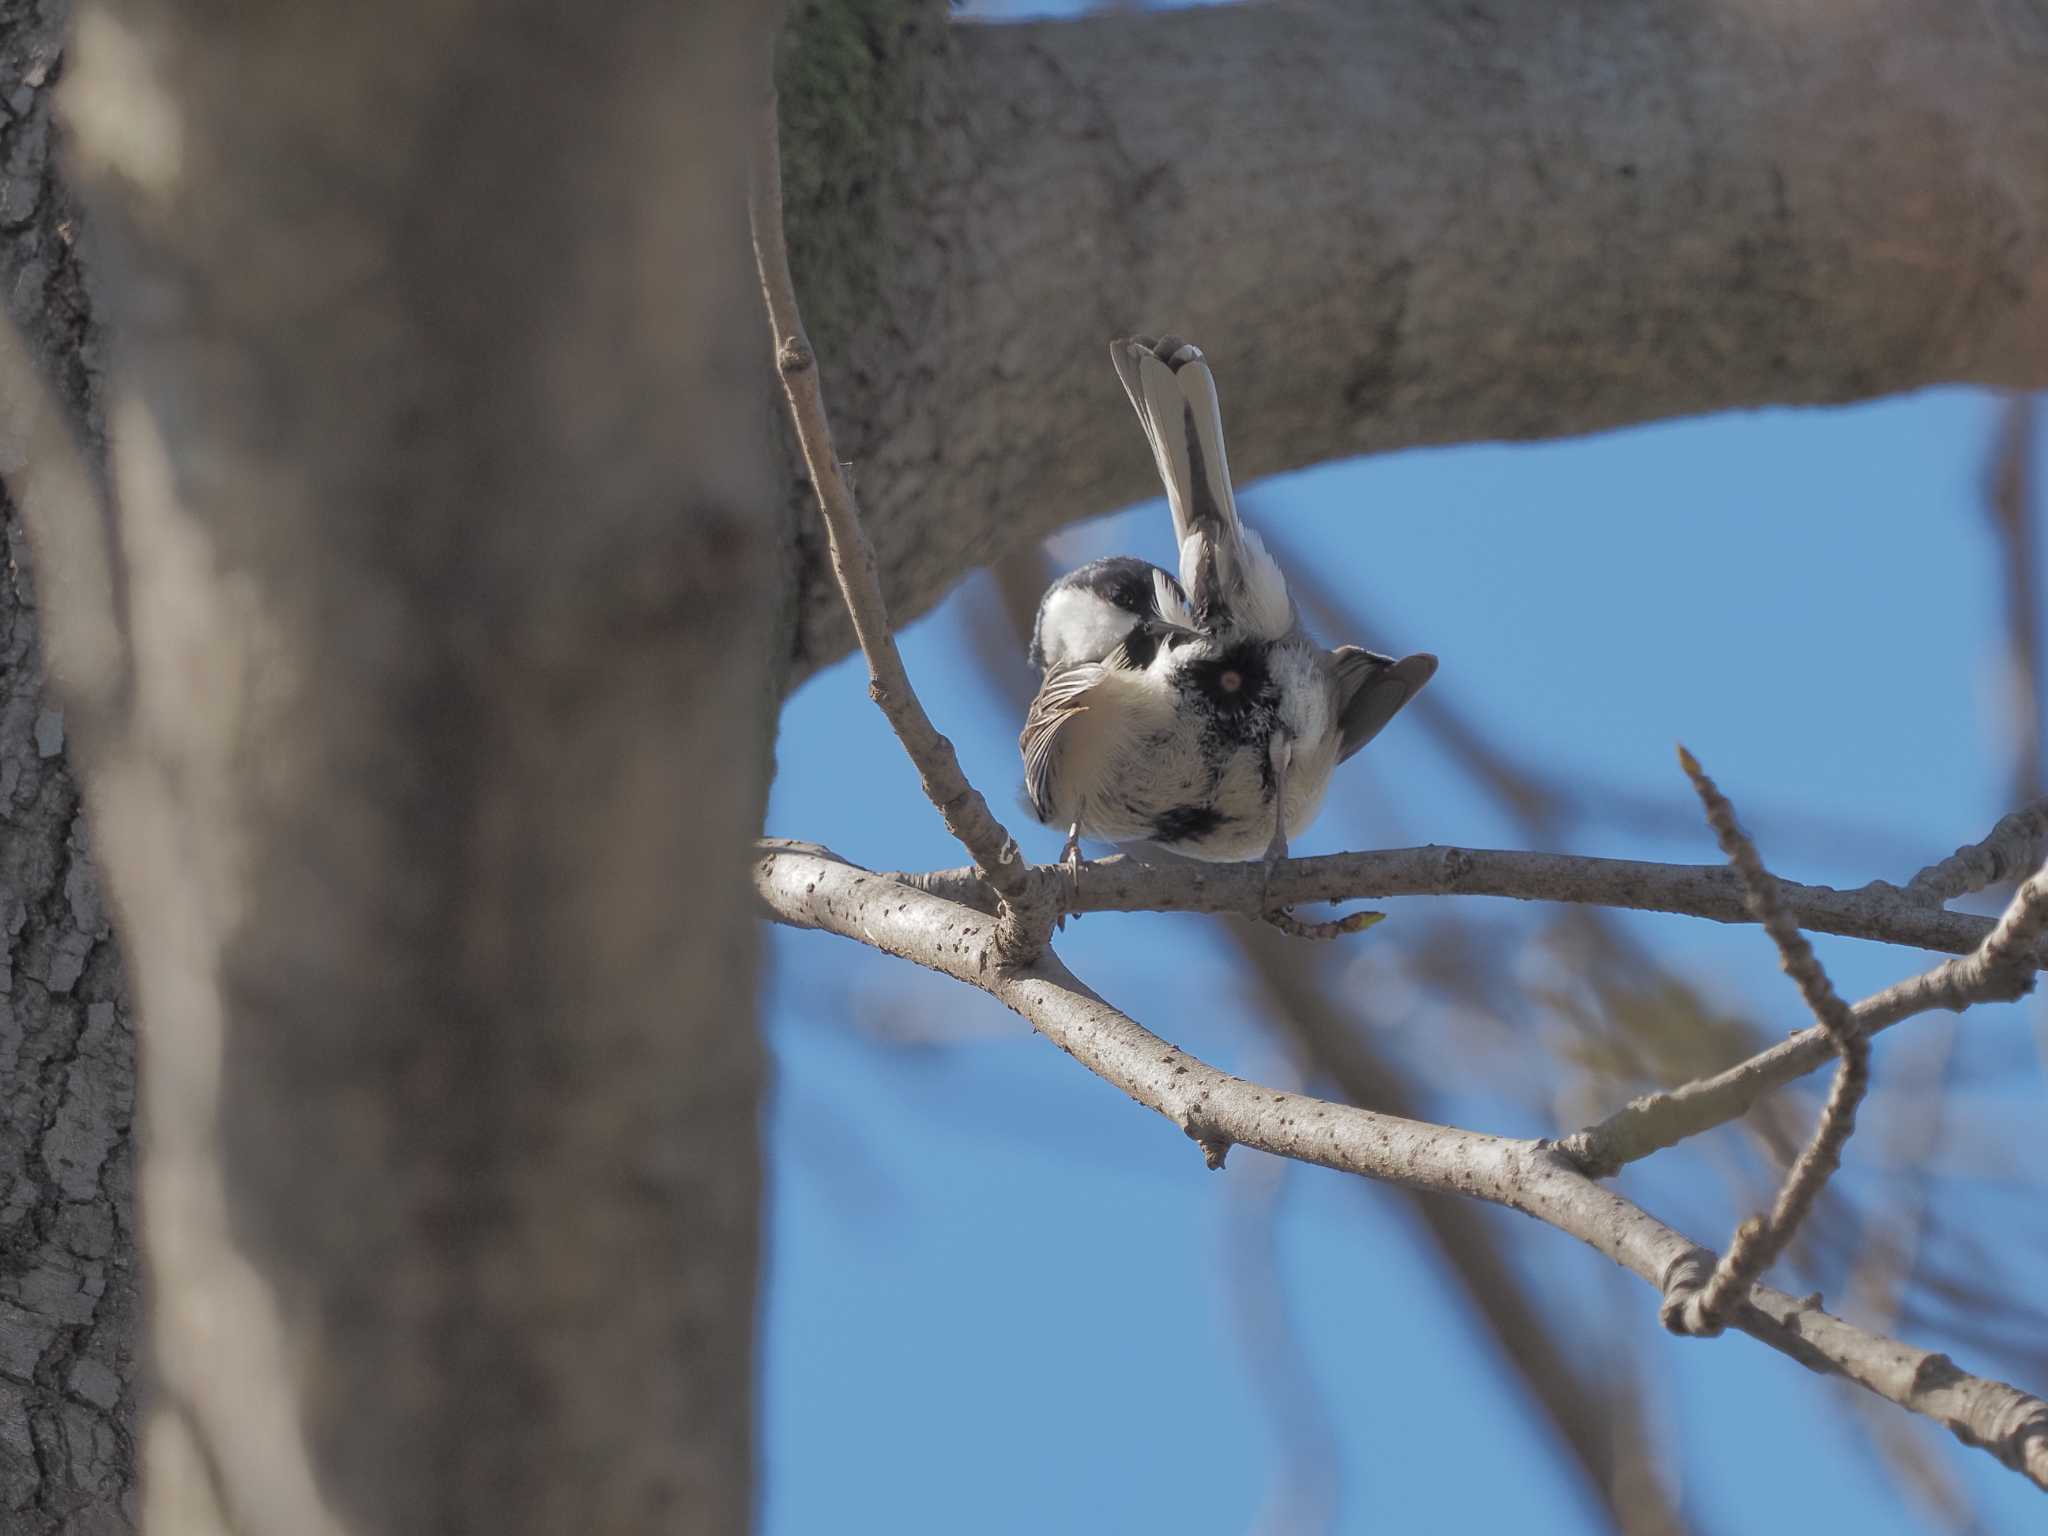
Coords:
1026,908
1759,1240
2000,970
1335,928
812,889
1878,912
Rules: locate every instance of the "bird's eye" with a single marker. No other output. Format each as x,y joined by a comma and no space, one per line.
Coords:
1230,681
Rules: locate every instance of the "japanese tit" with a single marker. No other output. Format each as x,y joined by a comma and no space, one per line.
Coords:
1196,714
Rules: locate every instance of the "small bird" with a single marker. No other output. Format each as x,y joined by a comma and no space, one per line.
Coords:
1194,715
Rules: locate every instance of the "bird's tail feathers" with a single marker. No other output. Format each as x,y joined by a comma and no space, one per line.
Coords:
1225,569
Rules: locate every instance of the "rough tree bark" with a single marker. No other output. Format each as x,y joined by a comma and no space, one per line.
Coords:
68,1299
1392,224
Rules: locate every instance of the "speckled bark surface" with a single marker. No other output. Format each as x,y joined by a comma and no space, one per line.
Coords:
68,1296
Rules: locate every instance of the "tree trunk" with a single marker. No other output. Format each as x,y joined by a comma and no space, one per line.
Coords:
68,1299
435,729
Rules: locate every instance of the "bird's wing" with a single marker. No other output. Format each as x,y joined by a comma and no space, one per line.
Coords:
1371,690
1061,697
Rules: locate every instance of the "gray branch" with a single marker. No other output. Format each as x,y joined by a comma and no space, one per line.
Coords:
815,889
2015,846
1876,911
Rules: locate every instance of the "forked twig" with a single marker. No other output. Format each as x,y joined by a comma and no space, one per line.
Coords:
1759,1240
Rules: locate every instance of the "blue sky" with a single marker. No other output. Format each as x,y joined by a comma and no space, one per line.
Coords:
997,1296
1002,1298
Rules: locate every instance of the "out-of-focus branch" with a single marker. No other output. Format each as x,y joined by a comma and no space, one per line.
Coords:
1119,884
815,889
1304,1494
2001,969
1528,1341
2009,499
1759,1240
1025,913
1878,1277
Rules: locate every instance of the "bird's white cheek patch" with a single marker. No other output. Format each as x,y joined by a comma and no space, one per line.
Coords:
1079,626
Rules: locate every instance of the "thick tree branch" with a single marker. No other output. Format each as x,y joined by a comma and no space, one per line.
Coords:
814,889
1026,914
1119,884
1405,223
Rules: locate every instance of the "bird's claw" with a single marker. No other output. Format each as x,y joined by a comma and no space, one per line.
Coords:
1276,851
1071,860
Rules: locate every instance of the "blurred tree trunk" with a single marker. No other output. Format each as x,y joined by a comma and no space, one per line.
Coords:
426,731
453,618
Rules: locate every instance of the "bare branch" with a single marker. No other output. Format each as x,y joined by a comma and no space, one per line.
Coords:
2018,843
813,889
2000,970
1759,1240
1877,911
1026,914
1979,1411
